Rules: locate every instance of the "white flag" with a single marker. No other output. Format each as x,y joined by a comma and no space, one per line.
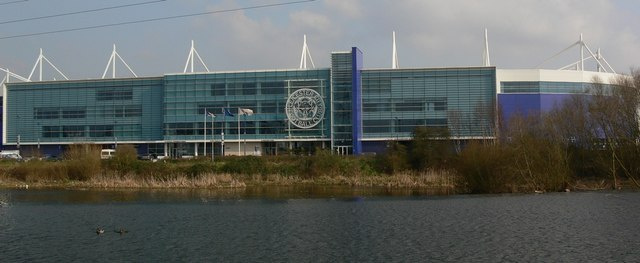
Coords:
245,111
211,114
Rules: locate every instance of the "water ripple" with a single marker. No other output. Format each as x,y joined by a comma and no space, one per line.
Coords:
510,228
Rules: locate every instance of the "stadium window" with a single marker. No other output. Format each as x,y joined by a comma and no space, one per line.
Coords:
47,113
73,131
114,94
218,89
74,112
51,131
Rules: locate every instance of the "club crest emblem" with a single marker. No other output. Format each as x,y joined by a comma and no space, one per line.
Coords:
305,108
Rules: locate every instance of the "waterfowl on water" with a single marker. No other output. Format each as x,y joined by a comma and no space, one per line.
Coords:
121,231
99,230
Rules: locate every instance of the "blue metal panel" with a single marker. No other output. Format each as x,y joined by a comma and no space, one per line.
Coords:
525,104
552,101
374,146
356,99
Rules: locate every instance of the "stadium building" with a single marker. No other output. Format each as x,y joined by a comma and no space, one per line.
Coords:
346,108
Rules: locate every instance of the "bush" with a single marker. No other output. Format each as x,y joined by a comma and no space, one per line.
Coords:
483,168
198,169
394,160
247,165
83,161
125,159
430,148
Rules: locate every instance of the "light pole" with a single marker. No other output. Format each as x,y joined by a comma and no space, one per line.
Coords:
213,138
397,126
19,135
204,130
239,111
244,112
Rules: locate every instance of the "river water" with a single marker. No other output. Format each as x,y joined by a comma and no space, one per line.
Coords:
310,225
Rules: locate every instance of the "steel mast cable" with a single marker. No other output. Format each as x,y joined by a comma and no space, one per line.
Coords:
13,2
157,19
79,12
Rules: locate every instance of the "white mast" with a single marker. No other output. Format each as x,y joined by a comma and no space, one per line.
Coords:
581,53
193,53
394,52
11,74
112,64
38,64
579,65
305,53
486,61
598,57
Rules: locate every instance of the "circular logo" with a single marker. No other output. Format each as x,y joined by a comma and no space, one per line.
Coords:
305,108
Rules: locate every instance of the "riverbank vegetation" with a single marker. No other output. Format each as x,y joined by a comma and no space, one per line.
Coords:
82,167
591,138
590,141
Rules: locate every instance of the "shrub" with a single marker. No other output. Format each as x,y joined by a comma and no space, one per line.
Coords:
83,161
394,160
483,168
247,165
430,148
125,159
198,169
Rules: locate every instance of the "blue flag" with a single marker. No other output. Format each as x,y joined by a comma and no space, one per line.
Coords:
226,112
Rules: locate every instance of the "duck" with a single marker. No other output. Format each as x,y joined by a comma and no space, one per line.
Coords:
121,231
99,230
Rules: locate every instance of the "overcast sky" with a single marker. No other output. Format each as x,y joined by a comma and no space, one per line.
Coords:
522,33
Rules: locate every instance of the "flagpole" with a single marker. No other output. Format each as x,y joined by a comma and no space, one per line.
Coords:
238,131
224,119
204,129
213,138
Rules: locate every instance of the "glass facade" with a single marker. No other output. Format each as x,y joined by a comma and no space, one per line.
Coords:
341,91
544,87
84,111
396,101
341,107
189,96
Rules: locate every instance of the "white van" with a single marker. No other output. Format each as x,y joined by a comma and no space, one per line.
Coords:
10,154
107,153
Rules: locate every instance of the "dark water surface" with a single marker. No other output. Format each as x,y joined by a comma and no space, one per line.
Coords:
336,224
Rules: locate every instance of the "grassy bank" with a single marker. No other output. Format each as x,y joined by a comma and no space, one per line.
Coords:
229,173
478,169
83,168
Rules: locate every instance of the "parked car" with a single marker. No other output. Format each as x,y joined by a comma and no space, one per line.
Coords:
107,153
10,155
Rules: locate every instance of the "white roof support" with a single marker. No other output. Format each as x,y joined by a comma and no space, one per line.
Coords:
599,57
394,52
112,64
580,64
305,53
486,61
581,53
193,53
11,74
38,64
575,65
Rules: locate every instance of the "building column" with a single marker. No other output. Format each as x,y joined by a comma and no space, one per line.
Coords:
166,150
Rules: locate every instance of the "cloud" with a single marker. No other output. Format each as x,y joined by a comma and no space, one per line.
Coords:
522,33
350,8
309,20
